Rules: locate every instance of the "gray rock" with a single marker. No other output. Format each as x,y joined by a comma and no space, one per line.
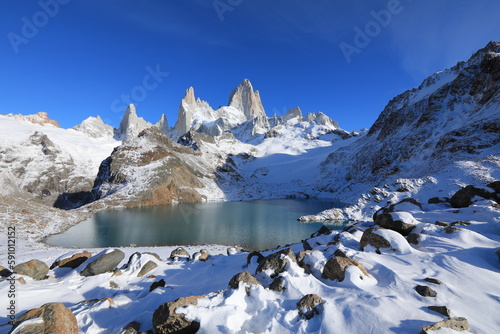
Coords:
440,309
386,220
432,280
34,268
335,268
310,305
150,265
166,321
179,253
425,291
73,261
57,319
243,277
104,263
277,261
457,324
278,284
373,239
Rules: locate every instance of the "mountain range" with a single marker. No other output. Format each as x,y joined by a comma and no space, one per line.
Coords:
433,139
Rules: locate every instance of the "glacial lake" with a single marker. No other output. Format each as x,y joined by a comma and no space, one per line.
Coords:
255,225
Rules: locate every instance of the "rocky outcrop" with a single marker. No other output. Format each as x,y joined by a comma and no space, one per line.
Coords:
335,267
309,306
457,324
166,320
40,118
402,222
244,278
56,319
277,262
131,124
72,261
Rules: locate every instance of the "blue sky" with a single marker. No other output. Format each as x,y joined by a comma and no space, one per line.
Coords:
75,59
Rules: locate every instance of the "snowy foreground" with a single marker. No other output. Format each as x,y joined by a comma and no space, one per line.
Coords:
462,258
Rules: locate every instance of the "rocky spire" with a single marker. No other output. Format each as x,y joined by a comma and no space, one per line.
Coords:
131,124
94,127
246,100
162,124
185,115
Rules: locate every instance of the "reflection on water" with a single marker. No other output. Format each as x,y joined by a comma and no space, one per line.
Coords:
255,225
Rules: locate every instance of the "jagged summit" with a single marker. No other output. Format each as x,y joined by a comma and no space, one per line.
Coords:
131,124
94,127
244,98
40,118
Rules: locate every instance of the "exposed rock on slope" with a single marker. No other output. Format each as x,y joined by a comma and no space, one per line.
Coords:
244,98
41,118
131,124
94,127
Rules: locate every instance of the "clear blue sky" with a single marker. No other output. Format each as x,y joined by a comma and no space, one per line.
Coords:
75,59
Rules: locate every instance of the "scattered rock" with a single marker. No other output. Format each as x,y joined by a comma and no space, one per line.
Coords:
309,305
335,267
451,229
94,301
402,222
21,280
300,260
259,256
278,284
425,291
323,230
132,328
57,319
104,263
457,324
437,200
158,284
113,285
413,238
440,309
179,253
306,245
165,320
34,268
461,223
463,197
117,272
4,272
243,277
203,255
73,261
277,261
432,280
373,239
439,223
150,265
155,255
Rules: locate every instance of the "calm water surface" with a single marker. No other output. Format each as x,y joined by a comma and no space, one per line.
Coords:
254,225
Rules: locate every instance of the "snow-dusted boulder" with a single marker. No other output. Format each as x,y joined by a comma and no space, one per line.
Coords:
381,238
402,222
336,266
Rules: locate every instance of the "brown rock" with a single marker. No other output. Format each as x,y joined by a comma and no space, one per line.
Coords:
73,261
243,277
179,252
57,319
432,280
278,284
150,265
309,305
165,320
457,324
34,268
277,261
335,267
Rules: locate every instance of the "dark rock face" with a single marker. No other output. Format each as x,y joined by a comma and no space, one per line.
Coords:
310,305
277,261
335,268
425,291
166,321
463,197
386,220
441,310
34,268
4,272
375,240
104,263
259,256
243,277
457,324
413,238
73,261
57,319
160,283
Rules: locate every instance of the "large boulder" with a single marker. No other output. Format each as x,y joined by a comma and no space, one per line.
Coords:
57,319
463,197
146,268
277,262
243,277
104,263
34,268
382,238
72,261
179,253
402,222
335,267
309,305
166,320
373,239
456,324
